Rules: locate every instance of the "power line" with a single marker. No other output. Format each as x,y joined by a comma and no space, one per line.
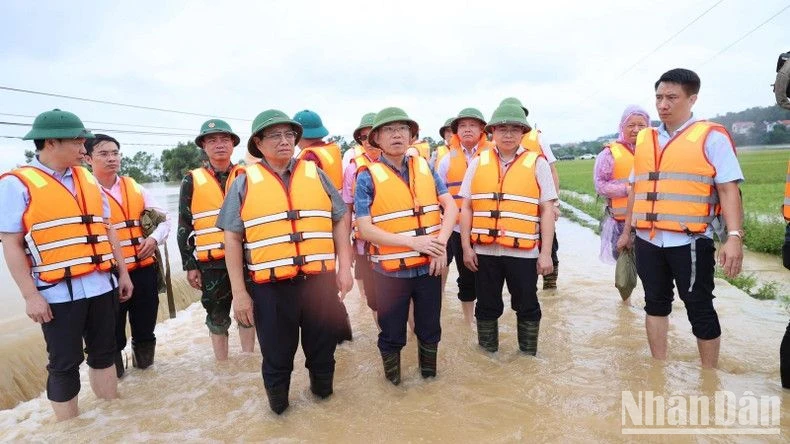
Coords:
168,145
113,130
645,57
745,35
107,123
107,102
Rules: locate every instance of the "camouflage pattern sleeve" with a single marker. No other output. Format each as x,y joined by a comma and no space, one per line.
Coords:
185,228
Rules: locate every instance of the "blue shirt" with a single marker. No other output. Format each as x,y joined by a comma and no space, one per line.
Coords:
16,198
363,198
721,154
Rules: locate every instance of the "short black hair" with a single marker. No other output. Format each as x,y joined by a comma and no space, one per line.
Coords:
686,78
99,138
39,143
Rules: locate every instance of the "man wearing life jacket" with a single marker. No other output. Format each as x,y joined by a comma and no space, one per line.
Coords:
685,176
397,203
506,218
442,150
468,141
61,251
286,223
365,153
535,140
201,242
127,201
312,147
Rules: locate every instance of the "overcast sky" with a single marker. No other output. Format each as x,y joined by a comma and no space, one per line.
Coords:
566,60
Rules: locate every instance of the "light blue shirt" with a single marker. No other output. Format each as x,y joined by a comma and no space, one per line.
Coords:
16,198
363,199
721,154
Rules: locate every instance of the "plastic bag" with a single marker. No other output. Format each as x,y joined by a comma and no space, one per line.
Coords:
625,273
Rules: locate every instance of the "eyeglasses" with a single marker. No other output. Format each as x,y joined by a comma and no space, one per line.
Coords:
392,129
288,135
104,154
363,138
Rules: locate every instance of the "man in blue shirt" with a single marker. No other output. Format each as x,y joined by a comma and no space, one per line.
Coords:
75,307
394,203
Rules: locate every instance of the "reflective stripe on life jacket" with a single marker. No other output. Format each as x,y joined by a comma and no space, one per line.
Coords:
290,231
207,199
409,209
623,163
125,219
329,160
674,189
65,234
506,207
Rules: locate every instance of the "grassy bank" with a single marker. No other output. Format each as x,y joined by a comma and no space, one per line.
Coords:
763,192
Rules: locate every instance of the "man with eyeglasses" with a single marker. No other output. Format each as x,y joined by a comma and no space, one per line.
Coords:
288,226
507,225
128,200
397,203
61,251
201,242
466,141
363,154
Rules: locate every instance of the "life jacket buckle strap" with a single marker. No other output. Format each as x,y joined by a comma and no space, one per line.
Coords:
493,232
651,217
97,259
653,175
92,239
420,231
297,237
86,219
496,214
652,196
292,214
299,260
498,196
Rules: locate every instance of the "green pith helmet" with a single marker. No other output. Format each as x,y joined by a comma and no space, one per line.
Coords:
445,126
312,126
467,113
57,124
366,122
508,114
268,118
389,115
514,101
215,126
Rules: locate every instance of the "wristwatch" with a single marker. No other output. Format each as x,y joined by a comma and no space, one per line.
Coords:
738,233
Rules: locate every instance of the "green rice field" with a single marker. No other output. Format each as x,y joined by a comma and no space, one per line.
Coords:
763,193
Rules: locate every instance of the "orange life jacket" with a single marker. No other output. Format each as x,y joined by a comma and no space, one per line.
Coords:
289,232
674,189
458,165
786,206
530,142
409,209
329,159
424,148
441,151
623,163
207,199
65,234
125,219
506,207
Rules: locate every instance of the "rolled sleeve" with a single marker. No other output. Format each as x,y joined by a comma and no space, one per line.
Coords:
348,183
162,230
229,218
15,199
363,196
546,147
545,180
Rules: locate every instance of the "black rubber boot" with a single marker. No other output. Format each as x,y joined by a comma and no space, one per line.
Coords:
278,398
143,354
120,368
391,366
426,354
528,336
321,384
550,280
488,335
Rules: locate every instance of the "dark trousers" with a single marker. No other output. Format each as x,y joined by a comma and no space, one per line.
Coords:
555,246
282,311
142,308
660,269
521,276
784,359
466,277
91,320
393,298
364,270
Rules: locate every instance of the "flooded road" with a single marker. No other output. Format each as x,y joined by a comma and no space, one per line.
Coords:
591,349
